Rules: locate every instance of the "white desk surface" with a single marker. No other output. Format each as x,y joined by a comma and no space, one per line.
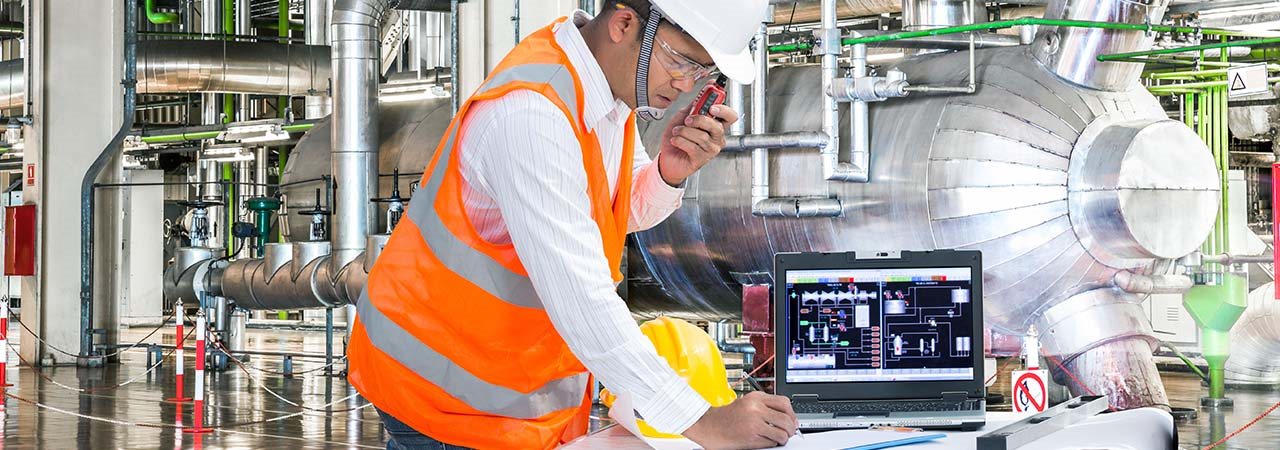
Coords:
1135,429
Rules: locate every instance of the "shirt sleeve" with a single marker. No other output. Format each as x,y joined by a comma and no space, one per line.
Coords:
532,168
652,199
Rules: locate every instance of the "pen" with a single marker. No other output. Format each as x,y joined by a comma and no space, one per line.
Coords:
755,384
898,429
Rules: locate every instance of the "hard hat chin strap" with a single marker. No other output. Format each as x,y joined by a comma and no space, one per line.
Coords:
643,110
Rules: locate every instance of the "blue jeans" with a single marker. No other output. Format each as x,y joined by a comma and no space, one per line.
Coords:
404,437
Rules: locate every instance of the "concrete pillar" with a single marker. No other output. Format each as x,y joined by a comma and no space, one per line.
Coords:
486,33
74,117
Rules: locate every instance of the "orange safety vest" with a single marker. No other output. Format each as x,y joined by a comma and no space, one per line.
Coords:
450,336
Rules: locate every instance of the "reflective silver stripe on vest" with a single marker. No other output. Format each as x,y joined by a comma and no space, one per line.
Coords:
556,75
564,393
475,266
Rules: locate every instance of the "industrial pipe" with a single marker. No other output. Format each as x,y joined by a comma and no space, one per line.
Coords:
423,5
158,17
832,168
1020,22
928,14
798,208
972,85
859,128
793,139
809,11
1151,284
210,18
208,66
1193,48
455,94
1255,341
760,119
91,176
244,25
760,141
1072,53
1227,259
316,21
355,123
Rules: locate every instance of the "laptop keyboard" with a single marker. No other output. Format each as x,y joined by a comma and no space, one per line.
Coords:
854,408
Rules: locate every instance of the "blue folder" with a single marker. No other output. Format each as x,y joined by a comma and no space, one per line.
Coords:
912,438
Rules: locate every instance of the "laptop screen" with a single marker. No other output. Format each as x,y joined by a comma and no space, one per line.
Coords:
877,325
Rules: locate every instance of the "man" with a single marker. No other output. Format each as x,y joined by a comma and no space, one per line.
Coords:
496,295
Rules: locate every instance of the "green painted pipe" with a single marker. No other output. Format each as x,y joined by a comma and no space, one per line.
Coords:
1193,74
269,25
181,137
283,29
157,17
1199,84
228,177
228,27
200,135
1167,51
1009,24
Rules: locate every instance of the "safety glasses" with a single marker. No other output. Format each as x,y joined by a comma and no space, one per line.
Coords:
679,66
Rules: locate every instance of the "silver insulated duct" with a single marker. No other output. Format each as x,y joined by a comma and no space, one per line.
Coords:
1072,52
354,31
209,66
927,14
1255,341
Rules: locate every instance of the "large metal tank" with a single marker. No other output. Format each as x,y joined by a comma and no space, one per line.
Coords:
1061,187
995,171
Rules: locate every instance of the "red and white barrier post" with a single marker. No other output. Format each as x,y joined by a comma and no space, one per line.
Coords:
179,355
197,420
4,348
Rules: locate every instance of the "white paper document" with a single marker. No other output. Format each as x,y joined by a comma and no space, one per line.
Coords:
624,413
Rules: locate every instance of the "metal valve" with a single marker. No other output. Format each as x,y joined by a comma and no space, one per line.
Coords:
395,203
200,231
319,219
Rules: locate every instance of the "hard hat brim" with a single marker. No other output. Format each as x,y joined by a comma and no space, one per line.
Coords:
739,67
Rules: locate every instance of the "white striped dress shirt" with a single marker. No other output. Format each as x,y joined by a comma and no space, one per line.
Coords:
525,184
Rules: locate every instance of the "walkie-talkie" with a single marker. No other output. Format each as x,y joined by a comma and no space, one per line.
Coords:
713,94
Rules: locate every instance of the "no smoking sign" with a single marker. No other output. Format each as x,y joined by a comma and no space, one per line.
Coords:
1030,391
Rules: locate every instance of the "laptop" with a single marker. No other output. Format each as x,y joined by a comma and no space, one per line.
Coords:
881,339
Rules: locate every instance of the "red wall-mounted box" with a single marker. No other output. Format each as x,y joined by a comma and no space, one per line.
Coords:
20,240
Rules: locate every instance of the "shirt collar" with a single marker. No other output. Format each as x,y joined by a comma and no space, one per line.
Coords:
600,103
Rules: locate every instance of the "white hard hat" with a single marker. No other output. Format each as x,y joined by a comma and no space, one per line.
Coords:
723,27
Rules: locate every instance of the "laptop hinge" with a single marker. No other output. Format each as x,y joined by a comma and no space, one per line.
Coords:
804,398
955,396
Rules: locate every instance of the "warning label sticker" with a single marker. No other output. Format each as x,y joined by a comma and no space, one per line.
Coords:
1246,80
1030,391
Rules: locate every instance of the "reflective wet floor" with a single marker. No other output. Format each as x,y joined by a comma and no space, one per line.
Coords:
257,407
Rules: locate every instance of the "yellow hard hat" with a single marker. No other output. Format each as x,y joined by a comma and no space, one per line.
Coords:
692,353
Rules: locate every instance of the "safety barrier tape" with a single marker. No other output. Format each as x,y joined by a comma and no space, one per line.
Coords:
220,427
218,346
46,377
221,348
76,355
